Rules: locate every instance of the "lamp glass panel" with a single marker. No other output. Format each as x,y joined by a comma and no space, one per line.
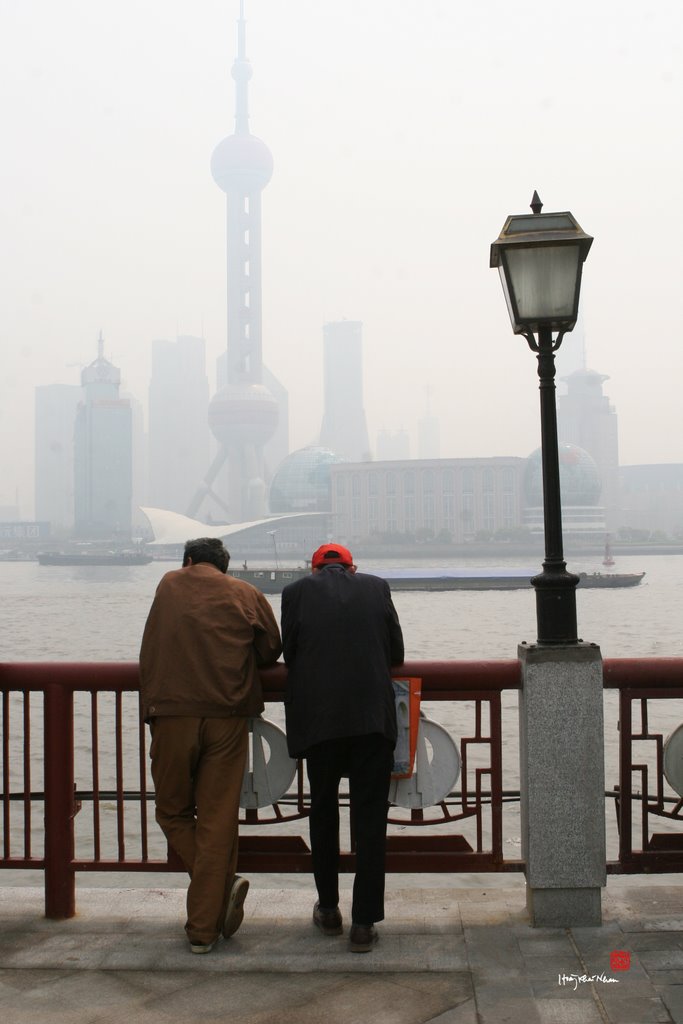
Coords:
543,281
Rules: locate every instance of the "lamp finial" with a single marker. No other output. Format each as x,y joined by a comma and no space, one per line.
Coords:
536,204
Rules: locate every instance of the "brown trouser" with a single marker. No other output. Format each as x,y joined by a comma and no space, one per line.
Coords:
197,767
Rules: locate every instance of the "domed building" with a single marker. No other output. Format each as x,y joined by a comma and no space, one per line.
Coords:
579,477
302,482
580,489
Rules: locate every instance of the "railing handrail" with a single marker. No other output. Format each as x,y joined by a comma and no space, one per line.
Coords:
642,673
438,677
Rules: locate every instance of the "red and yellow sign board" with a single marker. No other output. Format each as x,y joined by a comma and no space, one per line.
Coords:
407,695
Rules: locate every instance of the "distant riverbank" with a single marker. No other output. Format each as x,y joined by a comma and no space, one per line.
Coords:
505,550
434,552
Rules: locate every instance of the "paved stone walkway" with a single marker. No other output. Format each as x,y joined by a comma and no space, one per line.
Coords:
446,956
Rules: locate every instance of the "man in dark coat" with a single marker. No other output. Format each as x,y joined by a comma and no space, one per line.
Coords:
341,635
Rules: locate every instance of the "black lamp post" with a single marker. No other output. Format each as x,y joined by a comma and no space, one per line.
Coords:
540,257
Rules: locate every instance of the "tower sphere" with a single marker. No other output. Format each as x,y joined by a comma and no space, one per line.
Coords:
241,163
580,483
243,413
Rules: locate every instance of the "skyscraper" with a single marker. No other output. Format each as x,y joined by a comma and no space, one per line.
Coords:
344,429
178,430
243,415
102,453
55,416
585,418
140,461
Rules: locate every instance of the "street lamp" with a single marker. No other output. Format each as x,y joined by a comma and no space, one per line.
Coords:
540,257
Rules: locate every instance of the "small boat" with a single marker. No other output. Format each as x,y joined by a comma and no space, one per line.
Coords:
273,581
93,558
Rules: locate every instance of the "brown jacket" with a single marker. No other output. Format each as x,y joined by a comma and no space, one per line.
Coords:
205,638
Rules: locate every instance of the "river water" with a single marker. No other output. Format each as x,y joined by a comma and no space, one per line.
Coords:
97,613
52,613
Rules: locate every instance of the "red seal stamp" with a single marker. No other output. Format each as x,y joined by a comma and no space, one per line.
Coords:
620,960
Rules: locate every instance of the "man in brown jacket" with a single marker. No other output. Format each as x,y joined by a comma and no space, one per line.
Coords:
205,638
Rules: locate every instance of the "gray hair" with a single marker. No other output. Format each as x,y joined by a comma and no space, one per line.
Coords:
207,549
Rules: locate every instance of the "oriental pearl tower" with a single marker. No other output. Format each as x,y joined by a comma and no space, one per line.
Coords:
244,414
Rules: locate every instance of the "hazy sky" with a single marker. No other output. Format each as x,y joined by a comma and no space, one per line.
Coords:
403,133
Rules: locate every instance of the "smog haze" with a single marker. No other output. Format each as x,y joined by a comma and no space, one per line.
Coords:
403,134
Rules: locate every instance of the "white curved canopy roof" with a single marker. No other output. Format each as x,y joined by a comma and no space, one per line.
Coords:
174,528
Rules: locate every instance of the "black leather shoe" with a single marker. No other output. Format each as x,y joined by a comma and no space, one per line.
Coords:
328,921
362,938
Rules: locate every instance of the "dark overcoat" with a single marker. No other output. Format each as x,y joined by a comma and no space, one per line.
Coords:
340,635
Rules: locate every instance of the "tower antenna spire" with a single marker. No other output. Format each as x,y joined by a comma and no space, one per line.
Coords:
241,72
241,35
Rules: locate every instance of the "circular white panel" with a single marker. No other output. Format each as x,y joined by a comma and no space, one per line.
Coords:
673,760
270,770
437,769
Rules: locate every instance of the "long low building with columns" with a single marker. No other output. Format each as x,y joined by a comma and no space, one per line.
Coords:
455,499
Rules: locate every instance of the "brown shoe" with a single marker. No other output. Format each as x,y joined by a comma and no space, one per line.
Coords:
234,914
362,938
328,921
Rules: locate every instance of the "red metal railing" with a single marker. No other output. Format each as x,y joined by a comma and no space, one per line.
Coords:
72,696
74,758
644,801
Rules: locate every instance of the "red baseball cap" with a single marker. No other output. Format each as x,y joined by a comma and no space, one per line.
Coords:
329,554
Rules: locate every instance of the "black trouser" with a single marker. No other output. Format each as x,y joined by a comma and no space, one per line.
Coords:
367,760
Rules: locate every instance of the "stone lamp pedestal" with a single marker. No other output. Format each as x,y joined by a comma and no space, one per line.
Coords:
562,783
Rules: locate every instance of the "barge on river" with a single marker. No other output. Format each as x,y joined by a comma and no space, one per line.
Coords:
93,558
272,581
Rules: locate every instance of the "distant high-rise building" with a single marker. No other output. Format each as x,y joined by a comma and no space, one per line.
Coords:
428,437
344,429
585,418
243,414
277,447
652,500
178,432
140,461
393,444
570,356
102,453
428,433
55,418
